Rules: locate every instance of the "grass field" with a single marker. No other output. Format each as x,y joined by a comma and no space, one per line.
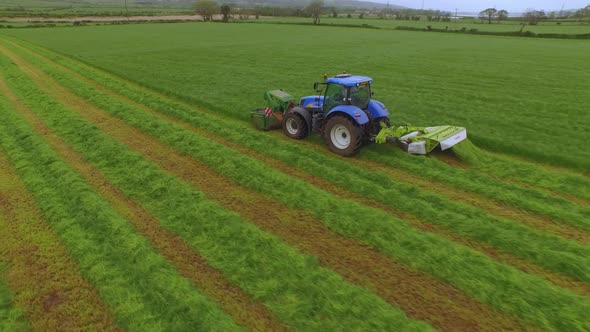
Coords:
573,27
134,186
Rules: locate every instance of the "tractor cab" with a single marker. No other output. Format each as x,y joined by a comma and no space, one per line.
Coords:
343,113
347,90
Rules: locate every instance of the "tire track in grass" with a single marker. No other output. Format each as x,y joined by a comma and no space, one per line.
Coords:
191,265
537,221
45,280
420,296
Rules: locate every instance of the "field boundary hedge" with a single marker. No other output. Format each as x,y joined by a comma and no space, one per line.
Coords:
498,33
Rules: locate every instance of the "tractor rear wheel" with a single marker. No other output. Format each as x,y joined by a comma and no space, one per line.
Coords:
343,136
294,126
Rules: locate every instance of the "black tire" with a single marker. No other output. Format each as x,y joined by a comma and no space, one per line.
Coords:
343,136
294,126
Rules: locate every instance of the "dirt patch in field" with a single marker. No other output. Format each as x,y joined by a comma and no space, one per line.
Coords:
46,281
420,296
400,175
190,264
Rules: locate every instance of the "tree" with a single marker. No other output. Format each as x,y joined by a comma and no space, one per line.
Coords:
334,12
502,15
225,9
489,13
534,16
207,8
314,9
582,13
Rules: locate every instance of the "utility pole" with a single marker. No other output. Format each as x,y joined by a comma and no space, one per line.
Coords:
126,11
561,11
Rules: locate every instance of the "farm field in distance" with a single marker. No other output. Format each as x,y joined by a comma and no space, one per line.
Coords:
135,193
564,27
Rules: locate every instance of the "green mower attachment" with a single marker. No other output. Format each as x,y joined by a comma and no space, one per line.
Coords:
422,140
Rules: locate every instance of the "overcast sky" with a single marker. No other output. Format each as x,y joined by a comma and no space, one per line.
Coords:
478,5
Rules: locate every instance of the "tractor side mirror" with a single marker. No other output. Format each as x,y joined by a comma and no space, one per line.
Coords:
316,85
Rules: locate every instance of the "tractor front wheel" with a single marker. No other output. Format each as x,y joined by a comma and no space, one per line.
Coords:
343,136
294,126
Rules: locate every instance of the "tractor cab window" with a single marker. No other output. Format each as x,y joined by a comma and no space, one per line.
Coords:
360,96
335,96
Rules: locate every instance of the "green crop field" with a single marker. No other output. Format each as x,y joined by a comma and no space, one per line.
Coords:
136,195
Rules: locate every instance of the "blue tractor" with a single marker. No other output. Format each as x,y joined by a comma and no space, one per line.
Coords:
344,114
347,117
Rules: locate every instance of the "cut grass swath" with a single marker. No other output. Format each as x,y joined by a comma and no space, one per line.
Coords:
527,199
143,290
527,172
423,251
46,282
293,285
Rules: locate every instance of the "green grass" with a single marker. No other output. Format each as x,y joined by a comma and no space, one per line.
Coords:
491,85
573,184
478,275
473,180
143,290
293,285
559,255
11,318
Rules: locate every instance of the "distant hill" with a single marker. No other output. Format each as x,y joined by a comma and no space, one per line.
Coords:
290,3
11,8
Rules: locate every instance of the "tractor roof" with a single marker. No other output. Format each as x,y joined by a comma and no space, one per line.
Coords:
349,80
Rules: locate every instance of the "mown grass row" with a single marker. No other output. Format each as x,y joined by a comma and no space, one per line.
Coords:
533,174
45,280
11,318
501,286
556,254
527,199
300,292
143,290
514,195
